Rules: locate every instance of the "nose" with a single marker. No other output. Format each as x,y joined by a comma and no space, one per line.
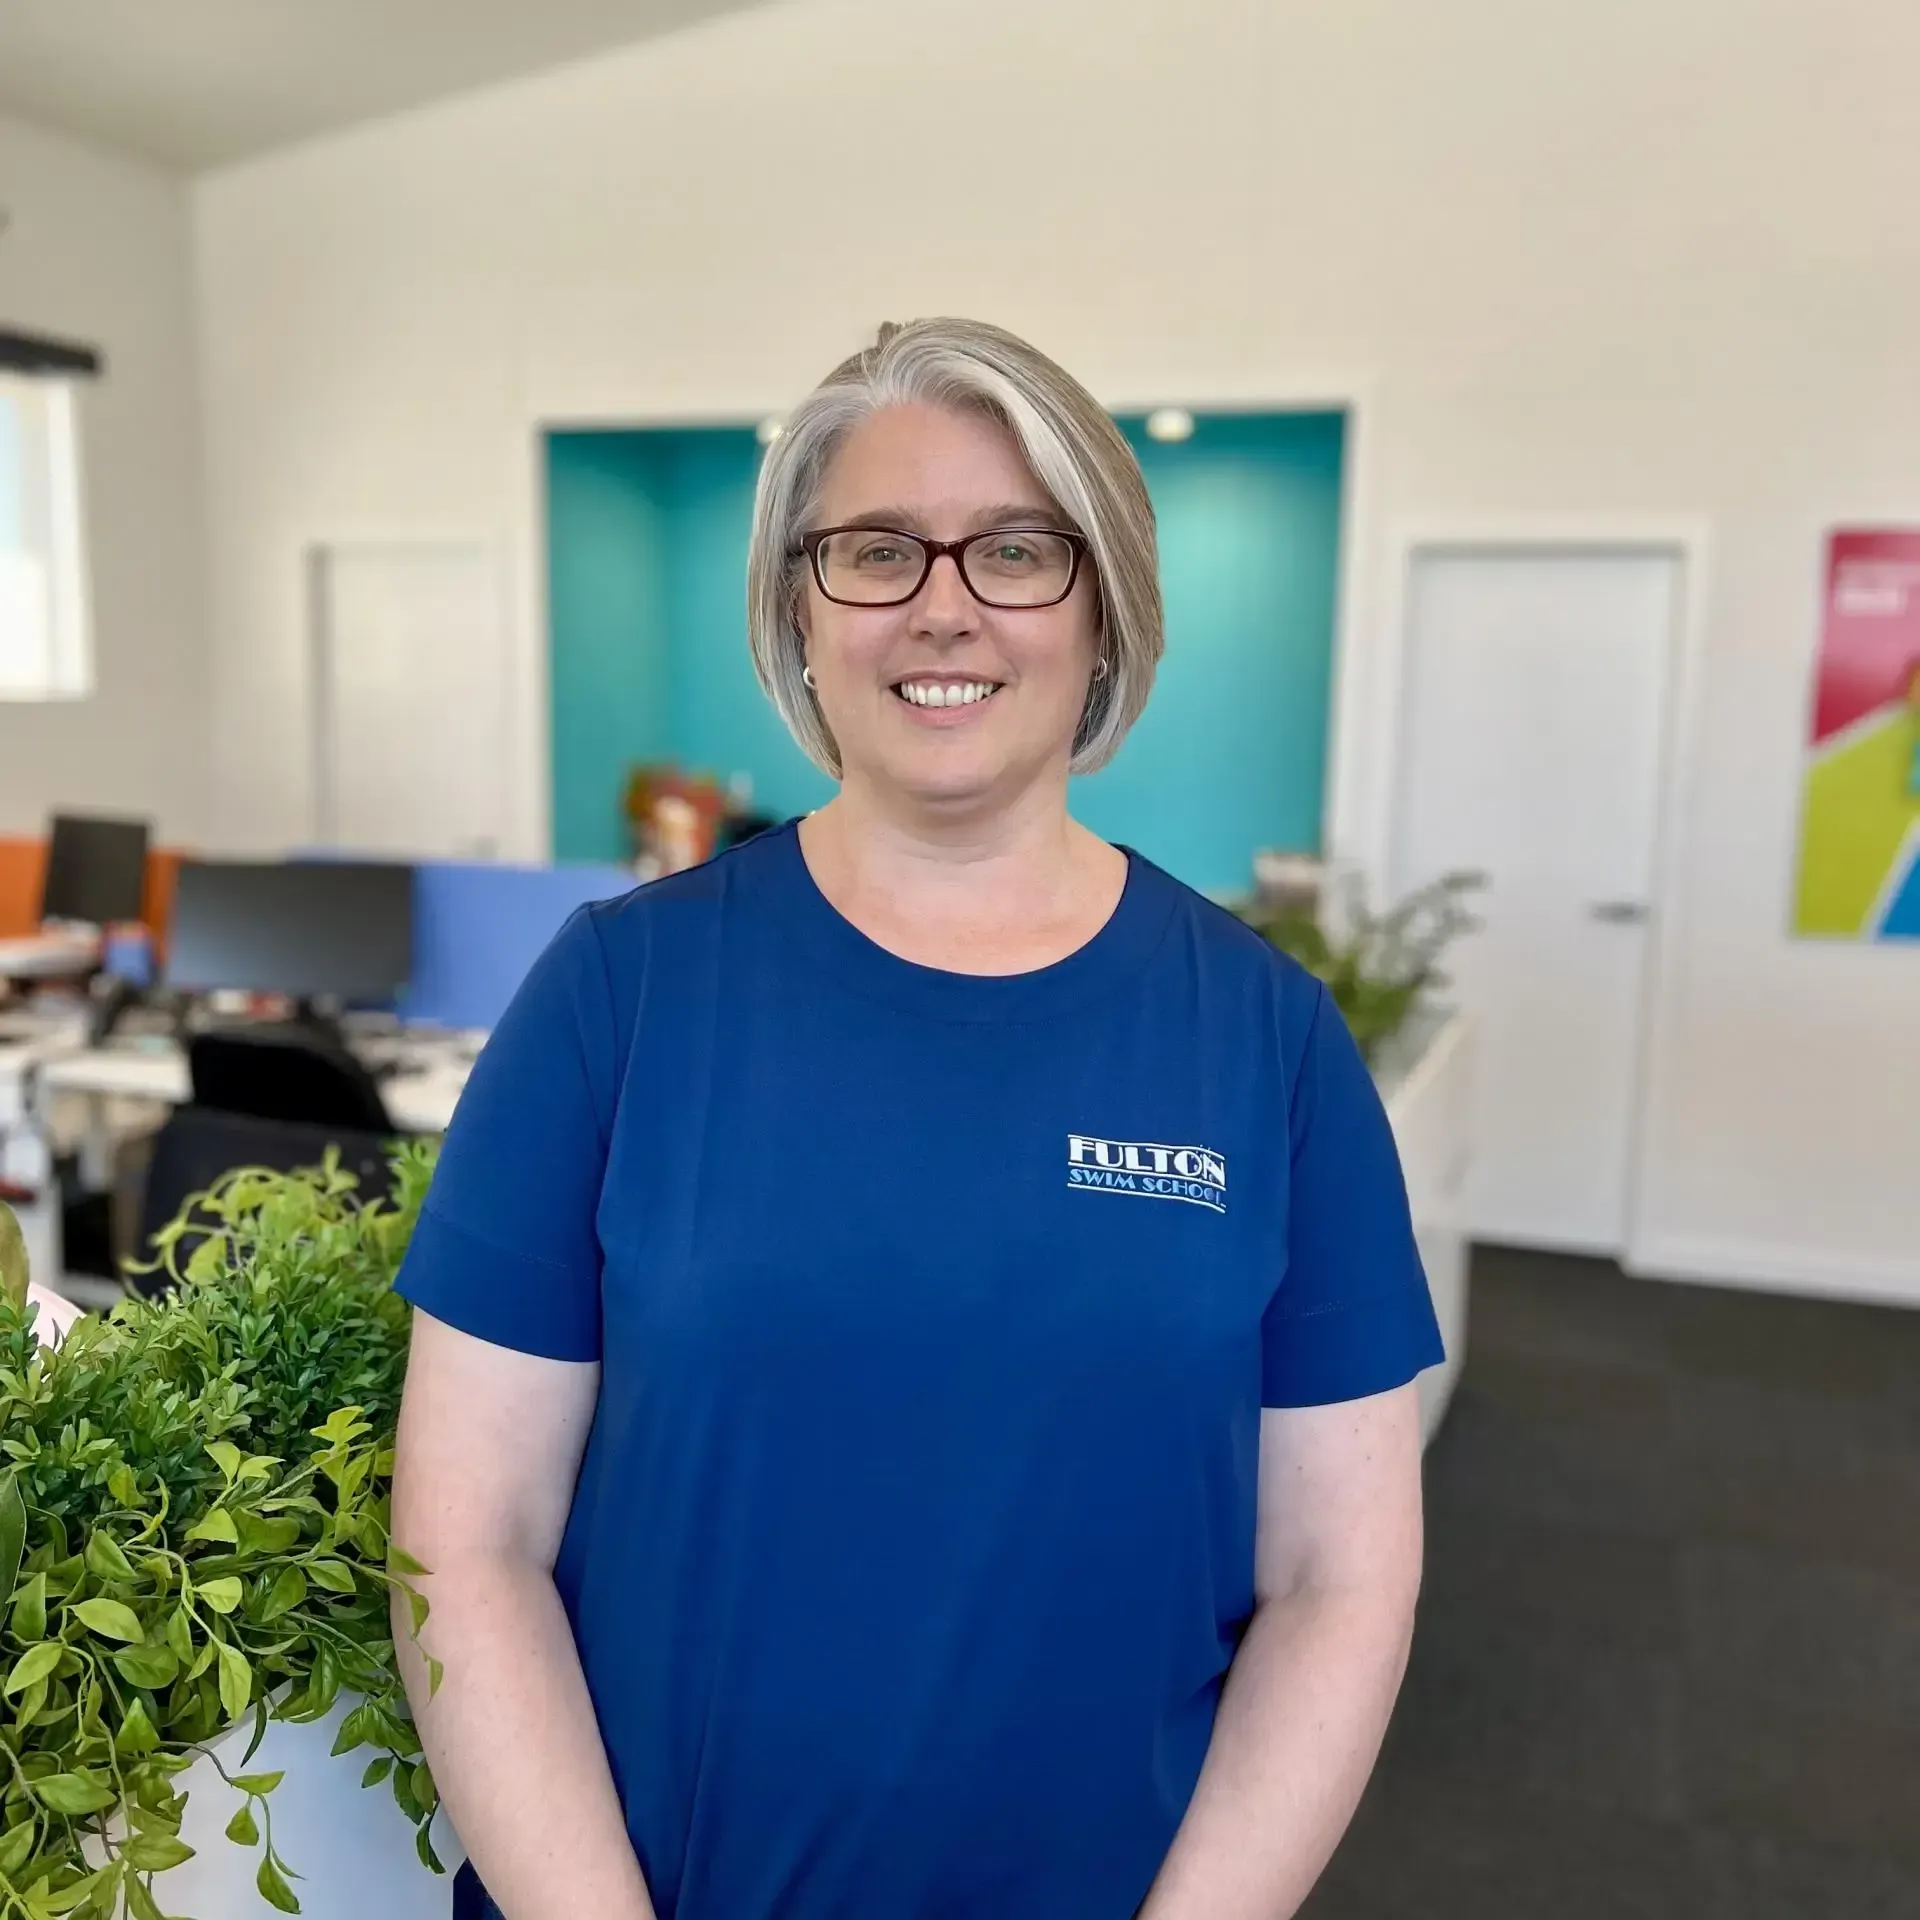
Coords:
943,606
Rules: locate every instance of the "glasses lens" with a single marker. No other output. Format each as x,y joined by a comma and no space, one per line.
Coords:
871,568
1019,569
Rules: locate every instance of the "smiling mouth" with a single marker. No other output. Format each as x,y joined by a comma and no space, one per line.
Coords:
947,693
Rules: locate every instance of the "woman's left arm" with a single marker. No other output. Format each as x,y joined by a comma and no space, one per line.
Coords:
1336,1574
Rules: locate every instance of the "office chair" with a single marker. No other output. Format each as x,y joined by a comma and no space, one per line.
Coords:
200,1145
287,1073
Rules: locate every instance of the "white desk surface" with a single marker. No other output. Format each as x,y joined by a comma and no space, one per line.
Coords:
420,1101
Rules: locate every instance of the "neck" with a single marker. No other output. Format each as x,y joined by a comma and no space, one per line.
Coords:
973,891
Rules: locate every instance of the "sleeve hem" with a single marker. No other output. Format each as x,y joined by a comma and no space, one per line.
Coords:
1351,1351
456,1276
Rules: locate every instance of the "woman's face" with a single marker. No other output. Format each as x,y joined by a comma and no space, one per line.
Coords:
946,476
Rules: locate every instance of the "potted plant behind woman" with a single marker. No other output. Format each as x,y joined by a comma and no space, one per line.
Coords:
193,1547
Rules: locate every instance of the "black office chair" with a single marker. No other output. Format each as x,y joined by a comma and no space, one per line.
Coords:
287,1073
198,1146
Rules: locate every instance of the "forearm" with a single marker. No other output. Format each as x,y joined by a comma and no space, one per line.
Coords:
515,1748
1300,1724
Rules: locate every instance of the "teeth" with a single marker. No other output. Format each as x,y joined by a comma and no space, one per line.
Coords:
926,693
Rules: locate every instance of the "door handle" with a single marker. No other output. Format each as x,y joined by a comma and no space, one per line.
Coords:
1620,913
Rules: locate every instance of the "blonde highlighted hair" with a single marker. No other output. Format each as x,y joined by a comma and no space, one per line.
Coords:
1077,454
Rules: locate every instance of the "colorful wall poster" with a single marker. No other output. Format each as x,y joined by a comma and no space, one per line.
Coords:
1860,812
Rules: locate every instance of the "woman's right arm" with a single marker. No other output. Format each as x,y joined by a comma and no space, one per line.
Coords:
489,1448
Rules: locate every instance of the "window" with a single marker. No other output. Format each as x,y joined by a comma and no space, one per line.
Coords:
46,639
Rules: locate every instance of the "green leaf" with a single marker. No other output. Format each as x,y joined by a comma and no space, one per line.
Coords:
377,1770
137,1733
335,1575
258,1782
260,1535
403,1796
341,1426
222,1595
226,1456
32,1702
123,1485
17,1848
35,1664
355,1730
435,1674
82,1791
243,1829
155,1852
13,1533
149,1667
399,1560
140,1903
215,1524
423,1846
78,1898
273,1887
110,1618
180,1634
416,1610
426,1794
106,1560
30,1610
236,1681
285,1594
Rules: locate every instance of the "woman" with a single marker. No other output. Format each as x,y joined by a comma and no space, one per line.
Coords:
951,1538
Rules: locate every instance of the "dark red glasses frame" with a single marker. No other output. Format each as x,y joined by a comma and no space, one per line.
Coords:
932,550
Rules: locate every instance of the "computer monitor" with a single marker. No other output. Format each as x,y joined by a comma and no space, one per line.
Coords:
334,931
96,869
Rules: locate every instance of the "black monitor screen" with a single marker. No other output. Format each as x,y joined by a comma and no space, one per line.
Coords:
96,869
323,931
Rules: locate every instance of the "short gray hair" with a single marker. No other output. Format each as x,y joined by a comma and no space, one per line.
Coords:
1077,454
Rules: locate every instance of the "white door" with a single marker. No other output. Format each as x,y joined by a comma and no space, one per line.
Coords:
409,700
1533,723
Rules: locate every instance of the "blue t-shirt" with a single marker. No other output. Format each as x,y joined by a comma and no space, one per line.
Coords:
915,1531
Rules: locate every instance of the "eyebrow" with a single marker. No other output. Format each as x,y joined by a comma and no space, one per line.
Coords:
1005,514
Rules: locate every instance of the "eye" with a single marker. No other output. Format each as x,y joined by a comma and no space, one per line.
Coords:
881,553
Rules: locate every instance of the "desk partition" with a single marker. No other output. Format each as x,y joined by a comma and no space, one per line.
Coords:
478,928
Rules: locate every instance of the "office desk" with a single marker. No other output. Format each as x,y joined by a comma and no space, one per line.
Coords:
418,1101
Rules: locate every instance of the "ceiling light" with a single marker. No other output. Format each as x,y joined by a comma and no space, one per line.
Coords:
1169,423
769,430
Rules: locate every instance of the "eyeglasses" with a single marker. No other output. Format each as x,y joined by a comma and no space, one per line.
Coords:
1023,567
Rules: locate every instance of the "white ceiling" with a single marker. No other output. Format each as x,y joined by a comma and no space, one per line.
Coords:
194,83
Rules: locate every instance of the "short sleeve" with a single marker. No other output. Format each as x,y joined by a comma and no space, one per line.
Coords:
507,1247
1352,1315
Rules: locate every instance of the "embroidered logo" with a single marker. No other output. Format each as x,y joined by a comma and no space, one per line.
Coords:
1195,1174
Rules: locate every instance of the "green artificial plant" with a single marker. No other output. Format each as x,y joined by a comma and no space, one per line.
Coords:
1376,966
194,1533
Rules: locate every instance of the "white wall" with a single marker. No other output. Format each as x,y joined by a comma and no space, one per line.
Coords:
97,250
1653,259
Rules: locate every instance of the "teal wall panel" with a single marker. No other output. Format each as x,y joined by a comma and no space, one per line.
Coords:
606,567
1231,752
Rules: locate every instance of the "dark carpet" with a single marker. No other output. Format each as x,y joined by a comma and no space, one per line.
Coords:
1667,1664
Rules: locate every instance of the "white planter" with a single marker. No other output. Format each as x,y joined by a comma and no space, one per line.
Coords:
1425,1075
352,1847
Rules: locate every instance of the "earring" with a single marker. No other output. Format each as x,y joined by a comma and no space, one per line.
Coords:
806,675
1100,668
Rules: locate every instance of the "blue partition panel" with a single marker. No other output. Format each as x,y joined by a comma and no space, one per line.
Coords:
478,928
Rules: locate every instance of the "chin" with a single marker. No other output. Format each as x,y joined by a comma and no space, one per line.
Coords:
948,779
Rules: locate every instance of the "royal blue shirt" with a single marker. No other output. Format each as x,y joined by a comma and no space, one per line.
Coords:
935,1315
